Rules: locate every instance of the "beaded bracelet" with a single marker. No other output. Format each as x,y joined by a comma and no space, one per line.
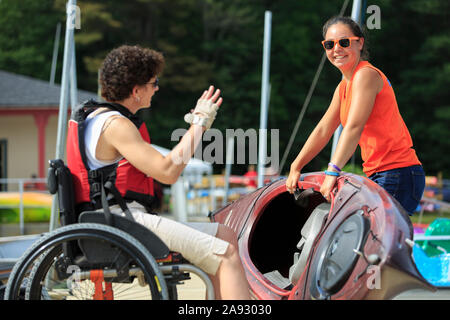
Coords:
331,173
334,166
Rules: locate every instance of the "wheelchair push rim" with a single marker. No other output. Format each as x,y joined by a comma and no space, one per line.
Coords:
119,239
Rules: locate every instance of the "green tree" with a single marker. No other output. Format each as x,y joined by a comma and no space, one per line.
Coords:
27,30
412,48
220,42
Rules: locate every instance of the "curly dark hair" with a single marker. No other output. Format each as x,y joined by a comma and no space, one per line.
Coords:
126,67
354,27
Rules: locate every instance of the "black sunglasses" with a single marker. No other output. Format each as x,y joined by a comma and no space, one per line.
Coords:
156,83
344,43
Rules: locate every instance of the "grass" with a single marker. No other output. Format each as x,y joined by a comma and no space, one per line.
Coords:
428,217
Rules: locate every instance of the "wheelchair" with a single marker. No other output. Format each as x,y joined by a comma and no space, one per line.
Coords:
97,256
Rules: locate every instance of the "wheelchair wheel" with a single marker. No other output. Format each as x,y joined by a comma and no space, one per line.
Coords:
110,265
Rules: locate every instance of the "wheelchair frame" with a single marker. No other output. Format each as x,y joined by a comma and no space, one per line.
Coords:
168,269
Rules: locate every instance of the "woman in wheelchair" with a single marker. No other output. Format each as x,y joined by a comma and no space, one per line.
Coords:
100,136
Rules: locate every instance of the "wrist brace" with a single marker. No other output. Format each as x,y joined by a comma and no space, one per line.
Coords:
205,109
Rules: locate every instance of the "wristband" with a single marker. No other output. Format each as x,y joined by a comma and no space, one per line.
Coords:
332,173
200,121
334,166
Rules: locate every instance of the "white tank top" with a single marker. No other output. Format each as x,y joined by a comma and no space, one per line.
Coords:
94,126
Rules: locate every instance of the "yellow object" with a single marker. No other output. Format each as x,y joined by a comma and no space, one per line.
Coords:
36,207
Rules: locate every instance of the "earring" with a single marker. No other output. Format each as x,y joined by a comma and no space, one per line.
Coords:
138,99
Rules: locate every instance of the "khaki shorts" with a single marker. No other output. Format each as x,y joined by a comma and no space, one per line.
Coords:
196,241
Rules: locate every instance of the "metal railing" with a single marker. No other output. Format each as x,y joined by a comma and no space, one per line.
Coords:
426,200
22,185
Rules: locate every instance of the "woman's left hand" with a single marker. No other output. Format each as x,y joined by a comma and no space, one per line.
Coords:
327,186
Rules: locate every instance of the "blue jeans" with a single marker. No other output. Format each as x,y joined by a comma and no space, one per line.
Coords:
406,185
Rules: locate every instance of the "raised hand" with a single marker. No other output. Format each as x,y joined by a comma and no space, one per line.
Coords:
206,108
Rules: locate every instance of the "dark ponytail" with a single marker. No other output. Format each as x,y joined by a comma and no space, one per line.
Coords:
356,29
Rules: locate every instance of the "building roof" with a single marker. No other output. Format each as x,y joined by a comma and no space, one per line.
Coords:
19,91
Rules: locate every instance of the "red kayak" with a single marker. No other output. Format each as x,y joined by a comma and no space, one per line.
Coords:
359,246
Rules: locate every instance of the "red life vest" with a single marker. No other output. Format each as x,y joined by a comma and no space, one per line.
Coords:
132,184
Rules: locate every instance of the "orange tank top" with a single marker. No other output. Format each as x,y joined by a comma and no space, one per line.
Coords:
385,141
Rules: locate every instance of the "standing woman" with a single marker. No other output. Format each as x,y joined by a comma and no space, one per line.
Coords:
364,103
